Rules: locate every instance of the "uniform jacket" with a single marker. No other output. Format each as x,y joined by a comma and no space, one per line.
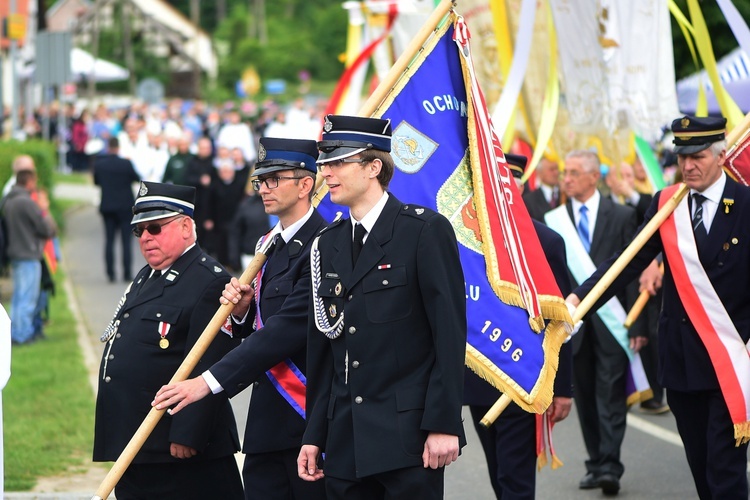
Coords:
272,423
477,391
115,176
396,371
536,204
134,367
684,364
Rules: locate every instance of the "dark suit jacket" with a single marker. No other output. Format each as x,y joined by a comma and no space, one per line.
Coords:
396,371
536,204
272,424
615,227
115,176
684,364
134,367
479,392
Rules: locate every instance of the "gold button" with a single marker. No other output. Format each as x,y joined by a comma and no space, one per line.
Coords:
735,241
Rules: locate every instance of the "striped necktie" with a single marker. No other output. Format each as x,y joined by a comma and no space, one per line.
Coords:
583,228
699,228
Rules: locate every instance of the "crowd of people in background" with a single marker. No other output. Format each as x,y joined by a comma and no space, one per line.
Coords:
187,143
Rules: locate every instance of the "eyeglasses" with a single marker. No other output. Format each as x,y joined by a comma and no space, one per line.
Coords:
340,163
574,173
154,228
270,182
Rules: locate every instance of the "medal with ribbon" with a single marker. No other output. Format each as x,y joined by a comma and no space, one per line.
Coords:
163,331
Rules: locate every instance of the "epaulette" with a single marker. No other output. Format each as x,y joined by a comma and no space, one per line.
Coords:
417,211
336,221
211,264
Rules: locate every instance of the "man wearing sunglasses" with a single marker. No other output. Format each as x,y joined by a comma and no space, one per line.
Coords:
157,322
274,315
387,330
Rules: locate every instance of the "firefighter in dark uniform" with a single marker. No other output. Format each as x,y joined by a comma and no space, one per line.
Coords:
273,356
387,330
509,444
160,317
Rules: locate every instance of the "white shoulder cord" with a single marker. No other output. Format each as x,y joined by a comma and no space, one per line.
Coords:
321,318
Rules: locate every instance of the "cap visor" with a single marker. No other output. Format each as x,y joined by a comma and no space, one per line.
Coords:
153,215
690,149
338,154
270,169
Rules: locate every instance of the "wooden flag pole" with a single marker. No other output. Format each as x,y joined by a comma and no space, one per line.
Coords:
182,373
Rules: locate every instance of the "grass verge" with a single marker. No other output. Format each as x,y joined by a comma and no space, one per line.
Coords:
48,404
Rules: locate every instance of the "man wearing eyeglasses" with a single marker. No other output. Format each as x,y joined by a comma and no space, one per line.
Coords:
387,330
157,322
274,316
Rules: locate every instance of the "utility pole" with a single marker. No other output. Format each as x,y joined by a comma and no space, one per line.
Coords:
94,53
195,17
127,41
13,77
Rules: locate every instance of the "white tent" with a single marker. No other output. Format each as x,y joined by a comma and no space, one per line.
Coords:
734,72
83,66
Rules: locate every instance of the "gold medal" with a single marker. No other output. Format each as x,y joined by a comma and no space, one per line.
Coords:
164,343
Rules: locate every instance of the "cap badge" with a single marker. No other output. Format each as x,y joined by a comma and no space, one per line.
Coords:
419,211
685,122
261,153
143,191
327,125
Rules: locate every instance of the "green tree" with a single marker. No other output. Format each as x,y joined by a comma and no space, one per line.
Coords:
722,39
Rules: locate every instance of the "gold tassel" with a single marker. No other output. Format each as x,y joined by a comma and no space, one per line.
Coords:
556,462
741,433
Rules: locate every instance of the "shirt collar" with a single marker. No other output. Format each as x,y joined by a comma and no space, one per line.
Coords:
288,233
715,190
592,203
371,217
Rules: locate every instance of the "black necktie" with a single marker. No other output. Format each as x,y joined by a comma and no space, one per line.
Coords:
150,281
359,237
699,228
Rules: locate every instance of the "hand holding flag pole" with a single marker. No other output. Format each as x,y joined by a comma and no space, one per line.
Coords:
182,373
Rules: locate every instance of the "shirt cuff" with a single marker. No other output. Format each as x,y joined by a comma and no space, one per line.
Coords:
241,321
213,384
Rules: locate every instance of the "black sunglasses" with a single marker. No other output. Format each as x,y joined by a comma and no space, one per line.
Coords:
154,228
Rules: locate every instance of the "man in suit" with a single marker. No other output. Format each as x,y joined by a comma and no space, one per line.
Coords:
547,196
594,228
621,183
387,332
273,357
115,176
509,445
703,364
157,322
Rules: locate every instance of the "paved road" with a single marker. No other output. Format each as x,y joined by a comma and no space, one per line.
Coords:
655,466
